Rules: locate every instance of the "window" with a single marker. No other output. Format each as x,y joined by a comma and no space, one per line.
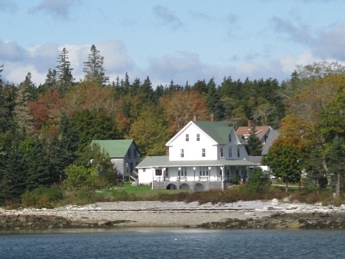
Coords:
203,152
182,153
229,137
203,171
158,172
144,170
135,153
230,151
187,137
238,152
166,173
129,153
221,152
197,137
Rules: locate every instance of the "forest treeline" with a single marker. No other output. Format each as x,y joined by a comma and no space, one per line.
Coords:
46,129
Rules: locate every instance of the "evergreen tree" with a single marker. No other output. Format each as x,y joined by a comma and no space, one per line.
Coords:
63,151
336,162
51,81
64,71
13,182
94,125
254,145
94,67
147,92
213,102
200,86
37,167
315,175
21,114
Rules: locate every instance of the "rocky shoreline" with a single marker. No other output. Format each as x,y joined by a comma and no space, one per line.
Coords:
240,215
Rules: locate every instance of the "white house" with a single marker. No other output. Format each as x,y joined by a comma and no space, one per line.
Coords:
203,155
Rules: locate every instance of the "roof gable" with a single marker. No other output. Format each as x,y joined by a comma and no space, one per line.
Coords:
216,130
260,131
115,148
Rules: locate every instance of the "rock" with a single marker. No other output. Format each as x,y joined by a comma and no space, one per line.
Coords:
292,208
275,201
287,199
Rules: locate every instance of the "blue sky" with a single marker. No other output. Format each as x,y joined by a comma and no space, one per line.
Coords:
180,40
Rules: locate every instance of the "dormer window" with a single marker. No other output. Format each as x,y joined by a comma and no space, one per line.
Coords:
182,153
197,137
187,137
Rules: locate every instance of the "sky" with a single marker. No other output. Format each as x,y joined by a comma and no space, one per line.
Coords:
180,40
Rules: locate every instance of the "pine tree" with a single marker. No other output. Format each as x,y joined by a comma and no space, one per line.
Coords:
63,151
336,161
13,182
213,101
37,167
254,145
94,67
64,71
51,81
21,114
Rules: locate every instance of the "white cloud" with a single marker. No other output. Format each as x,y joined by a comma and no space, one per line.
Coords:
38,59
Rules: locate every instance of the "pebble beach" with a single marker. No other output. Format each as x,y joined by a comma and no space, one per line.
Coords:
172,214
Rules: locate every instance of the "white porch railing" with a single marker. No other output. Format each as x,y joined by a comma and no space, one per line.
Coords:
197,178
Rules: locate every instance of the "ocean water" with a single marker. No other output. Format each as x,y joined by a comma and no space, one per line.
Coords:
173,243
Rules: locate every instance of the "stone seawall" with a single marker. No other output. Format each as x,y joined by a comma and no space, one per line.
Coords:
281,220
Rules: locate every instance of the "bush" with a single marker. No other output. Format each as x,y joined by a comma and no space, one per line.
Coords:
234,180
42,197
257,182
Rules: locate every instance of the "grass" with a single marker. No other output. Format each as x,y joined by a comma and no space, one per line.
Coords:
127,192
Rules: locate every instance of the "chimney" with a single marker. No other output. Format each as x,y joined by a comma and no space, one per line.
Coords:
250,124
212,117
195,117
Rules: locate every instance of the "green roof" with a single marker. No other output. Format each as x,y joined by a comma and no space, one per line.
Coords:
217,130
115,148
163,161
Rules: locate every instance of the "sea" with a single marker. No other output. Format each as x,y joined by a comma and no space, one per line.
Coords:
172,243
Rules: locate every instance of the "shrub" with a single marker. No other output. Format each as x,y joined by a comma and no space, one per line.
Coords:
257,182
234,180
42,197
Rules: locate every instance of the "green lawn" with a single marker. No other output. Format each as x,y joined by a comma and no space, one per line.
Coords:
141,190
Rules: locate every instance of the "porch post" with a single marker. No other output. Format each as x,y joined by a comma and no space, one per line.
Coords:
209,173
194,173
222,168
